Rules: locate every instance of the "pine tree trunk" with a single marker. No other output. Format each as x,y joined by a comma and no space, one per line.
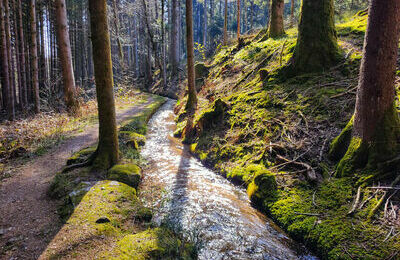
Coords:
164,62
205,20
275,28
117,35
291,13
238,20
174,48
65,55
34,57
21,47
226,23
375,136
5,77
316,47
107,151
192,97
10,59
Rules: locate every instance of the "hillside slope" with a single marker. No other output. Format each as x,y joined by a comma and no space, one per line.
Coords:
273,135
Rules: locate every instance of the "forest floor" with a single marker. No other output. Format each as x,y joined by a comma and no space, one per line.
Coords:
29,218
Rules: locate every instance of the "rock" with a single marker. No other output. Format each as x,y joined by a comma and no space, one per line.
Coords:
102,220
129,174
81,156
201,70
77,194
263,188
132,139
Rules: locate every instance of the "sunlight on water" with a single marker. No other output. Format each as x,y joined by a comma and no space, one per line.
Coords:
204,206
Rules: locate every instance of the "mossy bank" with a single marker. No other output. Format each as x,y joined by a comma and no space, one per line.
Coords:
273,135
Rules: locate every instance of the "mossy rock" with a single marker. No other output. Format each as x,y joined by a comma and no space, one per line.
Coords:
132,139
158,243
81,236
81,156
201,70
212,116
129,174
263,188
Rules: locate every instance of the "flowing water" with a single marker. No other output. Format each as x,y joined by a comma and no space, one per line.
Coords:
203,205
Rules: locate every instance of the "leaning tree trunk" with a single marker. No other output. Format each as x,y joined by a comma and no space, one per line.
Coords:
192,97
373,134
275,27
316,47
34,57
66,58
107,150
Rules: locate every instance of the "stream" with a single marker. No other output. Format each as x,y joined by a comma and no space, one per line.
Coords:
204,206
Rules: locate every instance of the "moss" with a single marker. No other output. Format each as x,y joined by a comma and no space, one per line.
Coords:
201,70
263,189
247,174
132,139
81,155
144,214
158,243
129,174
106,199
340,144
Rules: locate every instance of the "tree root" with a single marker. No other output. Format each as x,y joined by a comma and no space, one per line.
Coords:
88,162
356,202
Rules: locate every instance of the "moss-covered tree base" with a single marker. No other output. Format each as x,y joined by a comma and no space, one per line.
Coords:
374,155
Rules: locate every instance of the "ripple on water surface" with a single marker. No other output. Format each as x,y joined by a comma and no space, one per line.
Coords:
206,207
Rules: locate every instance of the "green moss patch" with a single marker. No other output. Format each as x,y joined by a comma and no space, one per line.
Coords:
81,156
129,174
158,243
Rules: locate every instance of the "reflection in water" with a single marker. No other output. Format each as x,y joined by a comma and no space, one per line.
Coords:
205,206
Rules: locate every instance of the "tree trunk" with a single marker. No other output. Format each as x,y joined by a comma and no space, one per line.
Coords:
10,59
291,13
34,57
164,64
316,47
66,58
238,19
192,97
21,57
5,77
174,48
205,20
117,36
226,23
375,136
107,150
275,28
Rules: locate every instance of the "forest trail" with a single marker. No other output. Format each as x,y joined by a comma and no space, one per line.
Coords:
29,218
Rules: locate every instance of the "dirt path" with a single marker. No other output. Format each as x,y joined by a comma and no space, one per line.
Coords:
28,218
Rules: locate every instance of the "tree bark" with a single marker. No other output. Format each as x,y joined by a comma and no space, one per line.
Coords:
205,21
34,57
164,62
5,77
238,20
117,35
375,136
66,58
291,13
275,28
226,23
174,48
316,47
107,150
192,97
10,59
